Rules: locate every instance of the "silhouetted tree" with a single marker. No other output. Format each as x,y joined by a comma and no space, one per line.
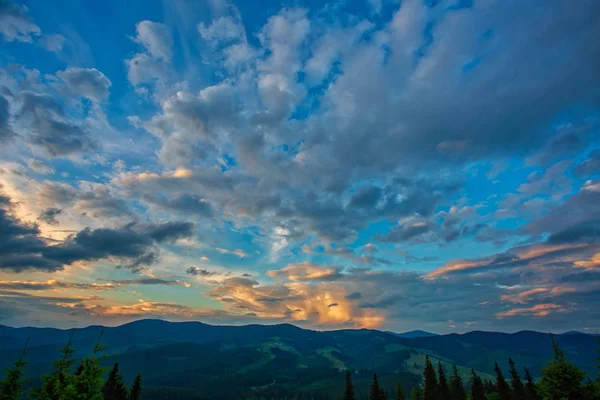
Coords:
136,389
88,385
349,392
560,378
457,389
416,393
58,383
531,392
443,388
114,387
430,383
12,384
518,389
375,392
489,386
399,392
502,387
382,394
477,389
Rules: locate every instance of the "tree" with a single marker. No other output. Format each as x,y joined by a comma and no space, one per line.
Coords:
55,385
399,392
382,394
12,384
560,378
457,389
416,393
114,387
502,387
477,388
443,388
430,383
518,389
136,389
88,385
349,392
531,391
375,392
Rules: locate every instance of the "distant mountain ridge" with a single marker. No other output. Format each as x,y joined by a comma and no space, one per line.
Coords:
193,357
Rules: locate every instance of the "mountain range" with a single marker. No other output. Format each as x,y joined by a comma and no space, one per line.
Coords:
193,360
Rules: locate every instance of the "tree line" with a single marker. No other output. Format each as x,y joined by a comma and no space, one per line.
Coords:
560,380
86,382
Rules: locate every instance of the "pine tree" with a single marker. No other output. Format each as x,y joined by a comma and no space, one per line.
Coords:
416,393
502,387
531,392
11,385
477,388
399,392
560,378
136,389
518,389
88,385
430,384
375,392
348,394
443,388
457,389
382,394
114,387
55,385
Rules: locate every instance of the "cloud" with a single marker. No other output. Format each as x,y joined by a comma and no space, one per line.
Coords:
53,43
16,24
201,272
238,252
306,271
539,310
23,248
6,132
40,166
156,38
49,215
86,82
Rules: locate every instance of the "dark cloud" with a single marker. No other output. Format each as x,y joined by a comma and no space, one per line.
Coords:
49,215
587,232
183,204
590,166
201,271
6,132
23,248
50,127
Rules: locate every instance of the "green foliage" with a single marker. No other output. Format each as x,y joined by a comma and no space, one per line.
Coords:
349,391
531,391
457,389
560,378
518,389
136,388
88,385
443,388
56,385
114,387
502,387
477,388
12,384
430,384
399,395
416,393
375,392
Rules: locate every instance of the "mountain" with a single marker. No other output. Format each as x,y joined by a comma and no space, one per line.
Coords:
413,334
194,361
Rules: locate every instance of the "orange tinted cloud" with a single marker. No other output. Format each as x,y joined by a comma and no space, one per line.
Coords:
539,310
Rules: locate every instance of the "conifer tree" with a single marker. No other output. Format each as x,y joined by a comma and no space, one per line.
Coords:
502,387
430,384
518,389
477,388
382,394
443,388
88,385
136,389
375,392
416,393
531,392
55,385
399,392
560,378
114,387
349,392
12,384
457,389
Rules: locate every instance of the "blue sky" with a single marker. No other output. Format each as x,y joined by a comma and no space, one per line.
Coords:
371,163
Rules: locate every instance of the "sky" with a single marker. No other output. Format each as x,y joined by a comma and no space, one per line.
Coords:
381,164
